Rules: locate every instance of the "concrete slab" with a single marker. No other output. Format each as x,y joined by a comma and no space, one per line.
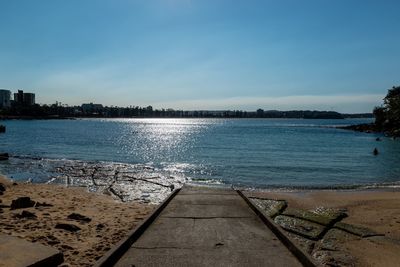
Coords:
205,211
208,227
242,233
16,252
207,257
191,190
205,199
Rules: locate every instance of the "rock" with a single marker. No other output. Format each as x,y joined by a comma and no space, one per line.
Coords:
2,188
22,202
269,207
100,226
67,227
4,156
321,216
378,139
78,217
43,204
301,227
26,214
375,152
356,230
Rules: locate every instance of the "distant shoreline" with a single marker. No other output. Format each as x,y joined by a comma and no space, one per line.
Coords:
5,118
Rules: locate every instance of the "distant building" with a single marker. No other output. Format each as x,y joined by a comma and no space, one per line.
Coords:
92,108
29,99
5,98
26,99
19,97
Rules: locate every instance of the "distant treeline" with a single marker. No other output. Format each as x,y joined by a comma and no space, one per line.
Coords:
98,111
387,116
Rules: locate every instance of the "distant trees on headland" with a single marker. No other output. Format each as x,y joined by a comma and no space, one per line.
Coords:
98,111
387,116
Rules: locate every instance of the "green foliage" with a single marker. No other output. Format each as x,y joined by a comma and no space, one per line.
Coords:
387,117
380,117
392,105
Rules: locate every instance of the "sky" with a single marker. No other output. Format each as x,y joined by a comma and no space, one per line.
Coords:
338,55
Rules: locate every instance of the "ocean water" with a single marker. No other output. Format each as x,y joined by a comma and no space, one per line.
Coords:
253,153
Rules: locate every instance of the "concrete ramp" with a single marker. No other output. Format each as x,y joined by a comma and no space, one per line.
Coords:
16,252
207,227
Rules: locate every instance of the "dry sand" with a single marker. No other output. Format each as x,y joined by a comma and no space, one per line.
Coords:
378,210
110,220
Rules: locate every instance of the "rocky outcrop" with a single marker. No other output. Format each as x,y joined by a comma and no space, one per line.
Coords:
365,127
21,203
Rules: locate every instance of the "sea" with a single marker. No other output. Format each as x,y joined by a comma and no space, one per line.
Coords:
145,159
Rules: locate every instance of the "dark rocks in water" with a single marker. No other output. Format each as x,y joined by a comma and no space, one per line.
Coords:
376,152
378,139
79,217
2,129
365,128
26,214
4,156
22,202
68,227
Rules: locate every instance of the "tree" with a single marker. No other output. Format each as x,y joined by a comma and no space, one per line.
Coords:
387,117
392,106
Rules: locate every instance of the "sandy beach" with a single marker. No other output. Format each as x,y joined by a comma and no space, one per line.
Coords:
104,221
377,210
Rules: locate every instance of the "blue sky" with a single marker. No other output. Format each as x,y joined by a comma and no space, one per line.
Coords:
332,55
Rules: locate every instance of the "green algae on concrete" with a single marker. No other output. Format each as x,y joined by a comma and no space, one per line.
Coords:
321,216
269,207
330,250
334,239
301,227
356,230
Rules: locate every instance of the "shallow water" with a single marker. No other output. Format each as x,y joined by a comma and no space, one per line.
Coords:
257,153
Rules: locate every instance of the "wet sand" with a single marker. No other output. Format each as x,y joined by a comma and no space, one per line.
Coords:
110,220
378,210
